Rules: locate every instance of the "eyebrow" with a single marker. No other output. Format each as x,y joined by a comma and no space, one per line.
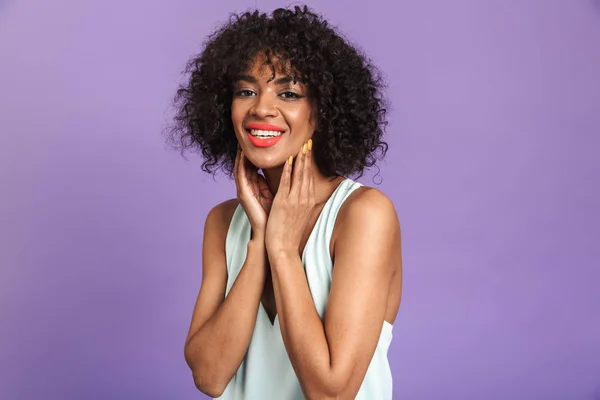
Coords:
247,78
280,81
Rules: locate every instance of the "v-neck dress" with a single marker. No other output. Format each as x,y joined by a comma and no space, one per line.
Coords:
266,371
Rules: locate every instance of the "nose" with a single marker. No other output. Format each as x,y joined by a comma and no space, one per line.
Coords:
263,107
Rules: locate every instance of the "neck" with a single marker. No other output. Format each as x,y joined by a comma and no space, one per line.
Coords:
322,183
273,177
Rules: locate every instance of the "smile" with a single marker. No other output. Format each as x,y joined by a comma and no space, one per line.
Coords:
264,135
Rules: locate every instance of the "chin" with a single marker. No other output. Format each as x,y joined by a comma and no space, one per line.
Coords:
266,161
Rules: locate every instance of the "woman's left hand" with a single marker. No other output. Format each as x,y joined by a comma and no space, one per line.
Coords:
292,205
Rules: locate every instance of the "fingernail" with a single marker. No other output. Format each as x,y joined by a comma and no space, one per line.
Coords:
304,147
310,144
290,160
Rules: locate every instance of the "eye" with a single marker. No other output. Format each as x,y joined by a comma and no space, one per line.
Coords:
290,95
245,93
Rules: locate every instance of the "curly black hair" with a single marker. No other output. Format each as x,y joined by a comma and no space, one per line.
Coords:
346,90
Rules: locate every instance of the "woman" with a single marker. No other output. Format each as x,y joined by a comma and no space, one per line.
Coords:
302,270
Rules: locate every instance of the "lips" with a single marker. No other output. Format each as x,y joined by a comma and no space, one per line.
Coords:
264,135
263,143
265,127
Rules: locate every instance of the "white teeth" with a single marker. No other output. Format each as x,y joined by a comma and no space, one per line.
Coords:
264,134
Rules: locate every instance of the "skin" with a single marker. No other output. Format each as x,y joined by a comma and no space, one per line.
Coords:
329,357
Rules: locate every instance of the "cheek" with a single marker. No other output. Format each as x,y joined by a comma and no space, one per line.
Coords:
235,111
300,119
237,116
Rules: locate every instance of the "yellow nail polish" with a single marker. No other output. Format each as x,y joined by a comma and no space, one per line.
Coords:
310,144
290,160
304,147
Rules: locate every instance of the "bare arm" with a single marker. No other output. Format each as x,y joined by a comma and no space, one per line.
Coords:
331,358
222,327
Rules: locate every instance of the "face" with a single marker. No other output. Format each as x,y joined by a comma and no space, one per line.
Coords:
272,116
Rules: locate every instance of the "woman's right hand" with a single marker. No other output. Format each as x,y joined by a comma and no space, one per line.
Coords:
252,193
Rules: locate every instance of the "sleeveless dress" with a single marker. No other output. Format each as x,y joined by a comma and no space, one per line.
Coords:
266,372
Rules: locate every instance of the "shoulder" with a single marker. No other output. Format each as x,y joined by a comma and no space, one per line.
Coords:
367,232
219,217
367,217
366,207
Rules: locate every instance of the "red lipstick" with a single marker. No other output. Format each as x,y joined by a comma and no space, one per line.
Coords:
264,142
265,127
267,142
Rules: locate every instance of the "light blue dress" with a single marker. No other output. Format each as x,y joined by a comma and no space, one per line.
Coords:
266,372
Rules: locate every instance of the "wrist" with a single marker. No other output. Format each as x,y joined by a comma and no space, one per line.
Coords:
281,255
257,254
257,235
257,244
257,247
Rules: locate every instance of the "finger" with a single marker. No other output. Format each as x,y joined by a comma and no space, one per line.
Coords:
246,167
284,182
313,168
235,167
236,161
305,171
297,174
252,173
308,177
243,178
264,188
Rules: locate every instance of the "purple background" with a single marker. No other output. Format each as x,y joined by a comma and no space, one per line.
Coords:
492,166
